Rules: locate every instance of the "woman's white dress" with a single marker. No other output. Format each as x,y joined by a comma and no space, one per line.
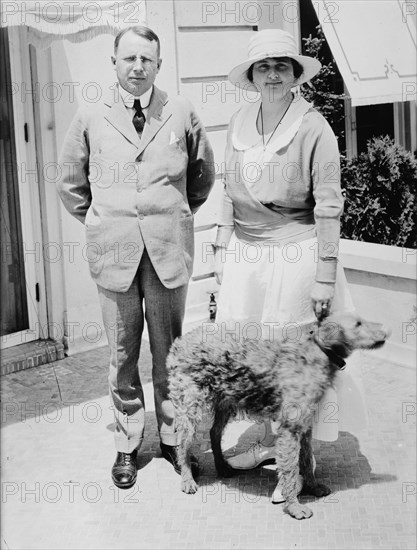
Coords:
266,293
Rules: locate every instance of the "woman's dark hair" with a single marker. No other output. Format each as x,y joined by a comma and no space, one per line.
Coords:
140,30
296,67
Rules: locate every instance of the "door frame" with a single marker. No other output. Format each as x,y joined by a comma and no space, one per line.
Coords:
28,186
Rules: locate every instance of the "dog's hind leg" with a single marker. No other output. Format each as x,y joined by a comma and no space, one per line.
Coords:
310,485
287,456
222,415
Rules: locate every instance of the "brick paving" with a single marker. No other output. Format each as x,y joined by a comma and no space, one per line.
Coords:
57,451
33,354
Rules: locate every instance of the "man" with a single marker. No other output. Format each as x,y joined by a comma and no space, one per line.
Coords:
134,174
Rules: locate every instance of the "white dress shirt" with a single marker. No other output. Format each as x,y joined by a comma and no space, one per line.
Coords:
128,100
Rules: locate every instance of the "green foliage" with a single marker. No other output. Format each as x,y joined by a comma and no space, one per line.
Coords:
321,92
380,188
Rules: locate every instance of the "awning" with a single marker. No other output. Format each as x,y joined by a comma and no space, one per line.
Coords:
75,20
374,45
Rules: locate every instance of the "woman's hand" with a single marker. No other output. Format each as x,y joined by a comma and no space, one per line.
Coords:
219,265
322,297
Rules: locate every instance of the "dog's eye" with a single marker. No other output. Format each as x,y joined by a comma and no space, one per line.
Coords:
358,323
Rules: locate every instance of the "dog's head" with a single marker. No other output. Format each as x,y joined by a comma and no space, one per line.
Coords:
342,333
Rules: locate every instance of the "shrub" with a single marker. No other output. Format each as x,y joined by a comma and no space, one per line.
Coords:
380,185
322,91
380,190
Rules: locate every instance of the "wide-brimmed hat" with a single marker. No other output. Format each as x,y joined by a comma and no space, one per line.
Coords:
272,43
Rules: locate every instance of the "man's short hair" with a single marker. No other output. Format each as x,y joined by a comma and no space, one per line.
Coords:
140,30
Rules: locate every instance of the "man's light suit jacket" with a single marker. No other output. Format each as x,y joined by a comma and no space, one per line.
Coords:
133,193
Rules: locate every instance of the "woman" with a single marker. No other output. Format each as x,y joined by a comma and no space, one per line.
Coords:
276,250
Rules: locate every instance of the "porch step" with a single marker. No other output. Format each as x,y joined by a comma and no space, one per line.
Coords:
30,354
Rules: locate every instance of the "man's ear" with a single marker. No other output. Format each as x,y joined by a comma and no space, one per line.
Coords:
113,60
159,63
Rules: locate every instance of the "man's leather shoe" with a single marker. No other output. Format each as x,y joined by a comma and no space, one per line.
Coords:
169,452
123,472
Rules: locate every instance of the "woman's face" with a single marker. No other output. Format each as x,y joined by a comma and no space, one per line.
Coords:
274,76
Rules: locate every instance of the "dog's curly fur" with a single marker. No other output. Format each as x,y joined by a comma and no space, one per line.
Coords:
281,380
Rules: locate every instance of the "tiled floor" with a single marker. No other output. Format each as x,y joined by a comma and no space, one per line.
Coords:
57,452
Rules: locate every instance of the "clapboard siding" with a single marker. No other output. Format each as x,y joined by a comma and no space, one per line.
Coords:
230,13
215,100
203,253
217,140
211,38
207,215
202,54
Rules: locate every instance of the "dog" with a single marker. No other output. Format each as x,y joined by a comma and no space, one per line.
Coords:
282,380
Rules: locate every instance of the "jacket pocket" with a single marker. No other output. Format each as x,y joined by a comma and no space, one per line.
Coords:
175,157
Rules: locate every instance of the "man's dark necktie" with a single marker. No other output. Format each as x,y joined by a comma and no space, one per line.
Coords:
139,117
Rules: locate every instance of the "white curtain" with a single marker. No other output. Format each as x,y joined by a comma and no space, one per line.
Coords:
74,20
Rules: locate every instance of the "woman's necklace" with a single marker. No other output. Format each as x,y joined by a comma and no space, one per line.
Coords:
273,132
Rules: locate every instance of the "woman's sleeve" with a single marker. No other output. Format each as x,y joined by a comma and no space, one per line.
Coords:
225,221
329,203
226,211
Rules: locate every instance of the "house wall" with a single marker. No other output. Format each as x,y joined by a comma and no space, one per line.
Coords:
188,31
382,282
84,73
211,38
200,42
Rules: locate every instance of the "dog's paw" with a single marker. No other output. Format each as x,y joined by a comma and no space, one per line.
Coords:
189,486
298,511
318,490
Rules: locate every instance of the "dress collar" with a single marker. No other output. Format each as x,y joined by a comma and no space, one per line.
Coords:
245,135
128,98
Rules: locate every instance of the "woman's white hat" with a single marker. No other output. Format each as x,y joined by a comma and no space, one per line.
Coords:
272,43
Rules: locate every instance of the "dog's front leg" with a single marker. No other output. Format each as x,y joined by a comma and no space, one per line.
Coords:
287,453
310,485
188,483
222,415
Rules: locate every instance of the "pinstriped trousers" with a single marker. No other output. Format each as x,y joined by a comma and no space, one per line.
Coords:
124,314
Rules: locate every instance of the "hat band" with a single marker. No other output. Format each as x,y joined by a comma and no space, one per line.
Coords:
277,54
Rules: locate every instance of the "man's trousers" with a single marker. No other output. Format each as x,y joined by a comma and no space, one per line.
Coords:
123,315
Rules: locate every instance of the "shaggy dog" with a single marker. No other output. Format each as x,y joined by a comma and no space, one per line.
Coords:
282,380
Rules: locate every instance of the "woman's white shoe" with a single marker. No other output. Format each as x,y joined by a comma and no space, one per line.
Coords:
255,455
277,497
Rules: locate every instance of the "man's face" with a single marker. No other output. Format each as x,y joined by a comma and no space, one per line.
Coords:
136,63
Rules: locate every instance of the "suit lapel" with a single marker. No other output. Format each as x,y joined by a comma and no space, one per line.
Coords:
119,117
155,119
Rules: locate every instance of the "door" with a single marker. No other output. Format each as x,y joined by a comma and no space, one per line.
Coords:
23,300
